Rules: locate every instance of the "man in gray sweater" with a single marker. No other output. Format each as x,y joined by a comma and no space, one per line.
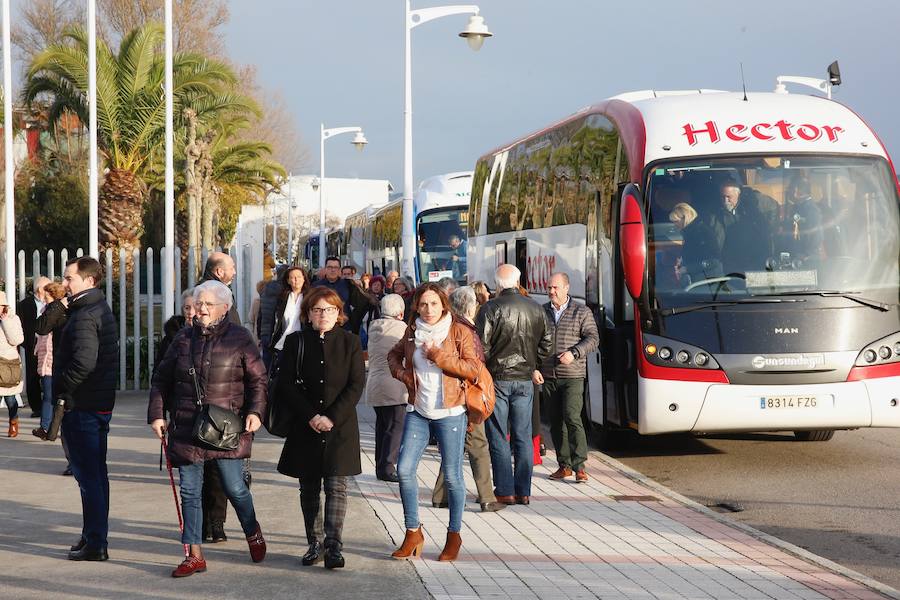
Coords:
574,334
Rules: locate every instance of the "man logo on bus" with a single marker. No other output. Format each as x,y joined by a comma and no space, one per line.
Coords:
765,132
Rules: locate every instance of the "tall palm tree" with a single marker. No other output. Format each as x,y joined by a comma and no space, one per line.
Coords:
130,110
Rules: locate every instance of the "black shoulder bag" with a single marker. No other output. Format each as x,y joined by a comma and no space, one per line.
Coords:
214,427
279,418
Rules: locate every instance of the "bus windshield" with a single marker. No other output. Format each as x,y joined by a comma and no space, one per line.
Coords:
442,244
725,228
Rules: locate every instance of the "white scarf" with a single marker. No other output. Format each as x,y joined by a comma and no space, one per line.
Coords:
437,333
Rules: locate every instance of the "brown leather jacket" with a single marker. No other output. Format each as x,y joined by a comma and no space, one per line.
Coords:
456,357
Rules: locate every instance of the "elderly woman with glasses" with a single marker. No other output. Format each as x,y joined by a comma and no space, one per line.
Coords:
322,447
225,361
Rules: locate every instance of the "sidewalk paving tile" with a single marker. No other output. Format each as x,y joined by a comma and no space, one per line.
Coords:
578,541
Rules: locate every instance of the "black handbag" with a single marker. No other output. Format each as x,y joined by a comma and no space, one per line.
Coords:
279,418
214,427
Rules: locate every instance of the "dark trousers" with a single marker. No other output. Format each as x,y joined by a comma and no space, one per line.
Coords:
388,434
215,503
86,436
564,399
329,532
33,382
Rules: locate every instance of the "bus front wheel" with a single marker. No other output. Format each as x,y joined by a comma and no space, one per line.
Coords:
816,435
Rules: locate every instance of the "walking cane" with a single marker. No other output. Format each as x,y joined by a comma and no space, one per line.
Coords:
165,450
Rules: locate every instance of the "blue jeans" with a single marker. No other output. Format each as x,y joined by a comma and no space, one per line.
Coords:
86,434
234,486
451,436
511,417
47,401
12,405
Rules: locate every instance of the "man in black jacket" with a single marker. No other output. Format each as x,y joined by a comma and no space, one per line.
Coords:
516,339
356,303
84,377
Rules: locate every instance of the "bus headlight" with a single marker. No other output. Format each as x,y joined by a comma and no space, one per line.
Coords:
665,353
884,352
701,359
683,356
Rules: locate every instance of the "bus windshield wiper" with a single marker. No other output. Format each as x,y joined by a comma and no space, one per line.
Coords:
838,294
679,310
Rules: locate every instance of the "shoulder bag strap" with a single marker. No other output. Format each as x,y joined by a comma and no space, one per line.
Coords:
300,345
193,372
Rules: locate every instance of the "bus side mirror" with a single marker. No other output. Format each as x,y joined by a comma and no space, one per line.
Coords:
633,241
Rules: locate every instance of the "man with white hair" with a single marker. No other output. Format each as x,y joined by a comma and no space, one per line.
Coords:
29,309
516,339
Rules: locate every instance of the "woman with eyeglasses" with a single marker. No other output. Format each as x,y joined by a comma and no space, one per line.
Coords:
322,448
222,359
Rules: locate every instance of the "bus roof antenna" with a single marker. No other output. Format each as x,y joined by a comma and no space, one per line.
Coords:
743,81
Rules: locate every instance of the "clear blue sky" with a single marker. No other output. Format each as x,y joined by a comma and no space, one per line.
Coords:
341,62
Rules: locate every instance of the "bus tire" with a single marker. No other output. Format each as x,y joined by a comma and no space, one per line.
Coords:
816,435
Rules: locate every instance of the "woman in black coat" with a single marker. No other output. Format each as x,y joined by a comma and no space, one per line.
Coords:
323,445
222,359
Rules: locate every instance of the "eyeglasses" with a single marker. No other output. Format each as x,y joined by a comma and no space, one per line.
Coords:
328,310
199,304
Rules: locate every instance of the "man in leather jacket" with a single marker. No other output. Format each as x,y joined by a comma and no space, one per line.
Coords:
516,339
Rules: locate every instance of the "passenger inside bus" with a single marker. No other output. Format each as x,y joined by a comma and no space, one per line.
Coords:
742,230
699,250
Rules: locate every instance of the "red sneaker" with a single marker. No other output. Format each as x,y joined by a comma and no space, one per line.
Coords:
191,565
257,545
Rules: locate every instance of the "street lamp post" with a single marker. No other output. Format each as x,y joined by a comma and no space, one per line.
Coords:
360,141
474,33
291,206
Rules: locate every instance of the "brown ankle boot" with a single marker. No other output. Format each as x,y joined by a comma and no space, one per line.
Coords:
412,544
13,428
451,548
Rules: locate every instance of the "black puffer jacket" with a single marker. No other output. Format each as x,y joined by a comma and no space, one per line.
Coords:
334,376
86,353
231,374
515,335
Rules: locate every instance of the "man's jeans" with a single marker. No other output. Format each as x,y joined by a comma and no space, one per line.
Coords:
234,486
46,401
512,416
451,436
86,434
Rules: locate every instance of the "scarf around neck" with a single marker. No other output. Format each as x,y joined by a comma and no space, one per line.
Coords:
437,333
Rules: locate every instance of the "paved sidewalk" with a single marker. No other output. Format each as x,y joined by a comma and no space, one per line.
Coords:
618,536
40,516
604,539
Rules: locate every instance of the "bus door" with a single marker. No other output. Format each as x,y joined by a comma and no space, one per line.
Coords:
522,261
596,268
618,336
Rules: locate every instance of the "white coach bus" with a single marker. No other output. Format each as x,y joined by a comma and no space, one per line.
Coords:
440,209
740,254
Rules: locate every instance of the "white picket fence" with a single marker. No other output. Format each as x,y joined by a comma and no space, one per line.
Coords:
139,334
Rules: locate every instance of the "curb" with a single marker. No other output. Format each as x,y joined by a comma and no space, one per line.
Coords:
756,533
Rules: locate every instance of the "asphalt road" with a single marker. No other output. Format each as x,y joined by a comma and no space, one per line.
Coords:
839,499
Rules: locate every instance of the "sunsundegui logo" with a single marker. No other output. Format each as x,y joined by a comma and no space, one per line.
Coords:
788,361
711,131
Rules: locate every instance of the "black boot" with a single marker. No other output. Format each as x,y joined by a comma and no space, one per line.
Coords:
333,558
217,532
313,555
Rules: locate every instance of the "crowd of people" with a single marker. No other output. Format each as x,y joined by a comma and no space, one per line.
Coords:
304,351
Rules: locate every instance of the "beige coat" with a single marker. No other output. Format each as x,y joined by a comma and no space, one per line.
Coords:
11,338
381,388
